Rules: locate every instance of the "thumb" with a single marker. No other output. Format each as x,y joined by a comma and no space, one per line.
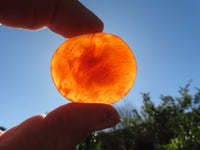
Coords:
63,128
73,122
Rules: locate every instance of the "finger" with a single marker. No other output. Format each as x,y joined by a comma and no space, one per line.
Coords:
24,136
74,121
65,17
88,116
63,128
77,19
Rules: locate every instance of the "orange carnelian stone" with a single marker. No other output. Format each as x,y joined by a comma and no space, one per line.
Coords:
94,68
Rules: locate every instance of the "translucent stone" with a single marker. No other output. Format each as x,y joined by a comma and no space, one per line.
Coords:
94,68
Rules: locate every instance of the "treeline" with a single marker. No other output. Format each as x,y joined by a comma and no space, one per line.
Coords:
2,128
174,124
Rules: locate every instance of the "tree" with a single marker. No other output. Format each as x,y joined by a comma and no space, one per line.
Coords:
2,128
89,143
174,124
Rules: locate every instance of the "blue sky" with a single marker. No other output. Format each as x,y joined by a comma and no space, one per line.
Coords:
163,34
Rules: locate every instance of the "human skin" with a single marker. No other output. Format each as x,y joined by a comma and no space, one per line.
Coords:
67,125
65,17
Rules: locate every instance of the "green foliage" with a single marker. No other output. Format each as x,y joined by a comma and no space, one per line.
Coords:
172,125
2,128
89,143
188,133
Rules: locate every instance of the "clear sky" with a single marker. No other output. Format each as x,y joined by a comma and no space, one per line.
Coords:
163,34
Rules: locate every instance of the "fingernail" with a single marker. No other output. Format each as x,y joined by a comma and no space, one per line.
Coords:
95,25
112,116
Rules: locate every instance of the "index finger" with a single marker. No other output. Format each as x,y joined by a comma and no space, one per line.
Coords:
66,17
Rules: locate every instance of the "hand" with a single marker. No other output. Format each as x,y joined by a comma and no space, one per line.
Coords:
65,17
62,128
66,126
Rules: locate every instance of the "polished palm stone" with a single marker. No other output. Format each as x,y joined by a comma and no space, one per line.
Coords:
94,68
